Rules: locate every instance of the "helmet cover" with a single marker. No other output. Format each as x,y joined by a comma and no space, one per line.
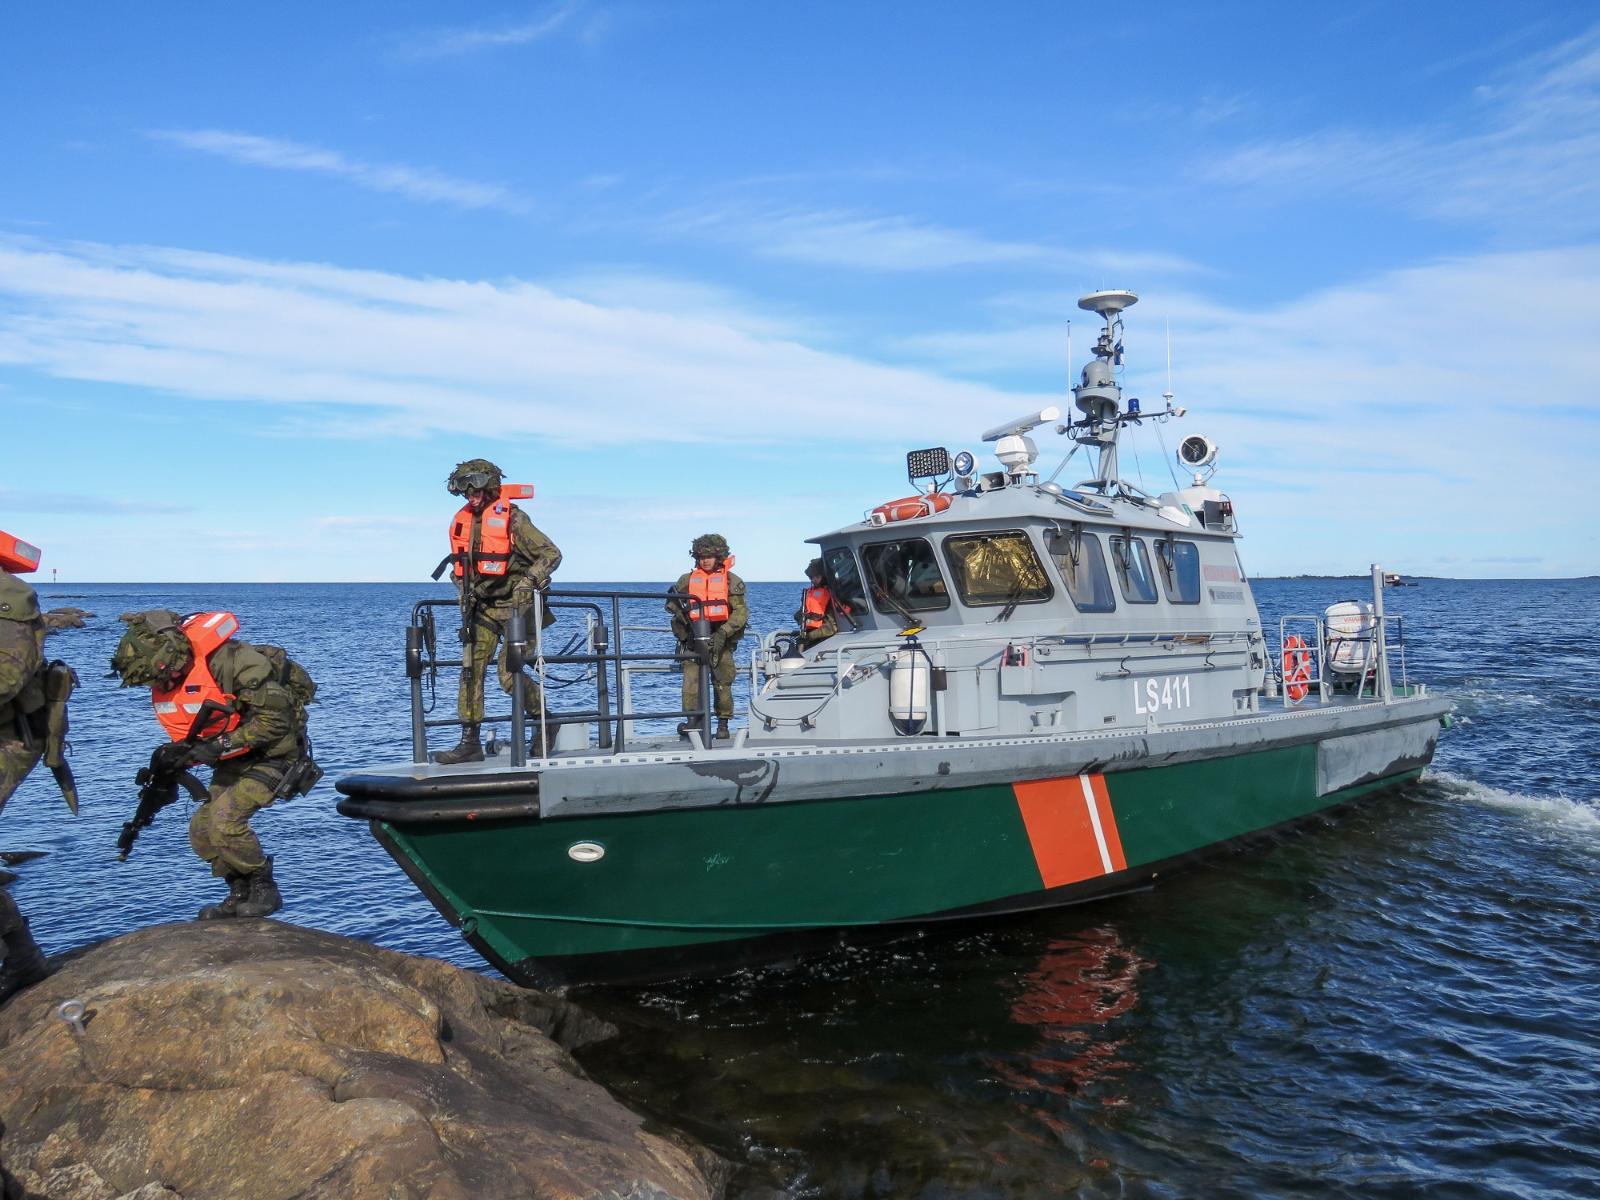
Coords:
474,475
709,545
153,652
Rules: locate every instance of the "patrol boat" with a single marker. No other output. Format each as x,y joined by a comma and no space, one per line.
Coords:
1039,695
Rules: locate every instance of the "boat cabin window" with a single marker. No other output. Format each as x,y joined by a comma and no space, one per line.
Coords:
996,568
1083,566
905,576
1180,570
1134,573
843,578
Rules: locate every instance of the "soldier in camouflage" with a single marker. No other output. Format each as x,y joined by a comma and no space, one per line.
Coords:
719,595
33,725
262,759
491,583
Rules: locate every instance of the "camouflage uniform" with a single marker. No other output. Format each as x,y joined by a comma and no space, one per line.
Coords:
271,731
534,559
21,698
724,638
271,724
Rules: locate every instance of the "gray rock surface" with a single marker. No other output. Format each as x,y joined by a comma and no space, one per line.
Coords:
255,1059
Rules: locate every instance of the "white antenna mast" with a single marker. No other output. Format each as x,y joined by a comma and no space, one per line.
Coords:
1069,354
1167,395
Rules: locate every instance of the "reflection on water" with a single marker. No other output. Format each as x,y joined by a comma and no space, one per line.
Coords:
957,1064
1069,1003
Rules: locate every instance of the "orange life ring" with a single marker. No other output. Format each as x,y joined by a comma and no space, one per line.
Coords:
1296,667
908,507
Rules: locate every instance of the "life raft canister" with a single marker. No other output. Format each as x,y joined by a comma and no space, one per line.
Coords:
815,602
493,555
709,590
17,556
1296,667
909,507
176,707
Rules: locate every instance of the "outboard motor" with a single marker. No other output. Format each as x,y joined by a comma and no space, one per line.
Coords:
1350,649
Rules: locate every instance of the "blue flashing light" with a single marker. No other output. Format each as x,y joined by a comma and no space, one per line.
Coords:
1133,406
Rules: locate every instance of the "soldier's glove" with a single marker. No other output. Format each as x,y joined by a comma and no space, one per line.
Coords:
205,754
173,756
719,641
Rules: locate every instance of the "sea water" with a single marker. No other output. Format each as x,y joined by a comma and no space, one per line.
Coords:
1404,1001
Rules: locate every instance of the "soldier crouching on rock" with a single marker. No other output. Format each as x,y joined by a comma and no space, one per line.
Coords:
33,725
239,709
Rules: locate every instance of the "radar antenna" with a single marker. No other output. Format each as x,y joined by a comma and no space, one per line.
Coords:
1098,395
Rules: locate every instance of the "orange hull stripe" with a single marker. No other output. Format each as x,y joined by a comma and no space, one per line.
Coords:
1071,828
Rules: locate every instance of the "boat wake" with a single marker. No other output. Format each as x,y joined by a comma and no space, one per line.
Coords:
1581,813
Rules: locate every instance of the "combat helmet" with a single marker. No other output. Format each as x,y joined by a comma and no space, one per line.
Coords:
712,544
153,652
476,474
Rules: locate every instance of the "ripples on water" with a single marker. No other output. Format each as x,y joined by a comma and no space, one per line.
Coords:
1402,1002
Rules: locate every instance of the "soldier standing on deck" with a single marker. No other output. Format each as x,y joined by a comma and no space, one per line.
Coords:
33,725
718,595
256,745
498,560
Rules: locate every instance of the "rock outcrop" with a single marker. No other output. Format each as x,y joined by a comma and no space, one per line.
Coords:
254,1059
65,618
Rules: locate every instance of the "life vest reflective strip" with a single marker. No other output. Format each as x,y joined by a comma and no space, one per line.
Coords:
493,555
816,602
710,592
909,507
1296,667
176,707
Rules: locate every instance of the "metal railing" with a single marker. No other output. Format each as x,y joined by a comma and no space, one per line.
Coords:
604,657
1364,649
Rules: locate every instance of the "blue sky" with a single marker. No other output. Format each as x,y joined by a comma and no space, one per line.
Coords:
266,274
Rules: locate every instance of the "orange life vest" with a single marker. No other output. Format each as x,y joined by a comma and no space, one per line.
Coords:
710,592
16,555
493,555
815,601
176,707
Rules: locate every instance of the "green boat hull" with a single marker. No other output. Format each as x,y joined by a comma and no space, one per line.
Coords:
682,888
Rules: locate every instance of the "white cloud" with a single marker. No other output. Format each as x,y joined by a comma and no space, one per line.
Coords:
415,183
447,43
873,242
1528,161
363,347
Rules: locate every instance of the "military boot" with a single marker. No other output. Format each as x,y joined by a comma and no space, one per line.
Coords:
468,749
722,729
23,964
238,889
685,728
263,898
542,742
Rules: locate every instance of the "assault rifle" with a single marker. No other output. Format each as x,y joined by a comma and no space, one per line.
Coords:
158,783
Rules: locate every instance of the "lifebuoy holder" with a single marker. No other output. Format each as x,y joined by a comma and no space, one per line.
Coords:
1296,667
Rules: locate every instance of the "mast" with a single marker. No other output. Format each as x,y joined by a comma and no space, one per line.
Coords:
1099,396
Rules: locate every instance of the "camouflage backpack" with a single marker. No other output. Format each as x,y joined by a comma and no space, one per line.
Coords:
21,644
290,674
